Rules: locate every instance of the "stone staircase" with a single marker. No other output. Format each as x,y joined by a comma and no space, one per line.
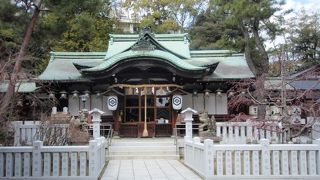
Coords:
140,148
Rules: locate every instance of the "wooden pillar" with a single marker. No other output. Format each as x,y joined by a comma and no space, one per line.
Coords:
116,121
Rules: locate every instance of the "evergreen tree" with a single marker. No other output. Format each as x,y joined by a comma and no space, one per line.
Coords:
164,16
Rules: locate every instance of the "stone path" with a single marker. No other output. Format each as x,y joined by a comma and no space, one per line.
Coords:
148,169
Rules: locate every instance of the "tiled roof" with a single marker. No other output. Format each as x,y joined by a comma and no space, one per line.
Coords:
165,56
173,48
23,86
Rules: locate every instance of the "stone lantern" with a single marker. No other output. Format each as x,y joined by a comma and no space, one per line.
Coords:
96,119
188,120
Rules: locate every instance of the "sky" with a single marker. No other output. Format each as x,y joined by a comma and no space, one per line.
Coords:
306,4
295,5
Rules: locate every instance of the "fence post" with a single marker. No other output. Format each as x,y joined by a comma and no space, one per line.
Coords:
317,142
266,169
36,158
93,160
103,151
194,162
17,133
208,156
96,113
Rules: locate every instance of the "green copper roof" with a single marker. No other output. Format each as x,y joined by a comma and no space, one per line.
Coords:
177,43
23,86
231,66
170,58
171,48
61,66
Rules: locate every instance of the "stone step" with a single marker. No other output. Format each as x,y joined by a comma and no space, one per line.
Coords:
141,143
145,152
141,148
123,157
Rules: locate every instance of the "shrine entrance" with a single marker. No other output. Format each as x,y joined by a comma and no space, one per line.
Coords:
146,110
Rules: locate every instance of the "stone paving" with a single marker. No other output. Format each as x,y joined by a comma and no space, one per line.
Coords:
148,169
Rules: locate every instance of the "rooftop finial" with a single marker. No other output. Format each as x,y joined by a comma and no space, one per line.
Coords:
146,30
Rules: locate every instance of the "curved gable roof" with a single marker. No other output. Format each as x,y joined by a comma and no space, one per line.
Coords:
165,56
177,44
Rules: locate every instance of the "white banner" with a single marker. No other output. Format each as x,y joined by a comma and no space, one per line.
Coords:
177,102
112,102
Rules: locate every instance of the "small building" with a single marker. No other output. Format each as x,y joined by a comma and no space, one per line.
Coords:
143,81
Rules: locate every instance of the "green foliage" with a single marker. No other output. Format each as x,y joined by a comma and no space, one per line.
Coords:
305,37
238,24
71,25
12,28
211,32
86,33
66,25
300,48
165,16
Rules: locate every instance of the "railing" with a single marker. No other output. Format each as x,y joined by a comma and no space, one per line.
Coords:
263,160
29,132
64,162
105,129
244,132
175,136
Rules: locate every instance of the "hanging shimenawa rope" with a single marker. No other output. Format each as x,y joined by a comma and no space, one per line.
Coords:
145,86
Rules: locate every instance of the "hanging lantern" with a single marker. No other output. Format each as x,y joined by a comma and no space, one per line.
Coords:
112,102
177,102
207,92
20,103
75,93
219,92
98,94
63,95
87,93
51,95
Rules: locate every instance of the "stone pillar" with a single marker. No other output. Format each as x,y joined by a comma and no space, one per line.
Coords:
266,168
36,158
54,110
65,110
93,158
208,156
188,120
96,119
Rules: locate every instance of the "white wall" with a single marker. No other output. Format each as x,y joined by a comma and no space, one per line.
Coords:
187,101
211,104
100,102
73,105
96,102
222,104
198,102
214,104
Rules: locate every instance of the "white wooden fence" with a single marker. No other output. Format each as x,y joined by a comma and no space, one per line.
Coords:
27,133
253,161
244,132
64,162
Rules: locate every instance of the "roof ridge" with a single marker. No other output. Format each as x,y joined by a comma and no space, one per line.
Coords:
61,53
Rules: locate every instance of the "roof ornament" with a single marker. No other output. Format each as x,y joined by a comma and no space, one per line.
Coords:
146,30
143,43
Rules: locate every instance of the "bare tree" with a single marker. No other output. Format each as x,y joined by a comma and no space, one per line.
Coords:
14,76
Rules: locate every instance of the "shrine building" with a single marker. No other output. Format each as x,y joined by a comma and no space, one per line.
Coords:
143,81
